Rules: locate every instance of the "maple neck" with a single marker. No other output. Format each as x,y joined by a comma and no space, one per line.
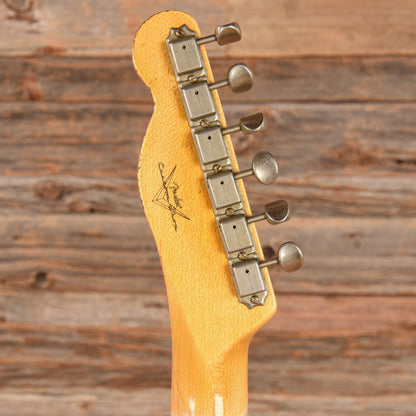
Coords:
203,384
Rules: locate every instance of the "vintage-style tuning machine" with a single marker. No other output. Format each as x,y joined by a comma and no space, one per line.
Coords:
250,286
240,79
275,212
208,133
235,231
221,181
224,34
247,125
289,258
264,168
186,55
198,99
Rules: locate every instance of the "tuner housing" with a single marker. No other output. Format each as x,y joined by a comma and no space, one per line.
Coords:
249,281
185,53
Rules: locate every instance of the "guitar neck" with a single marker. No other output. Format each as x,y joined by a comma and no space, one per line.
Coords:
204,384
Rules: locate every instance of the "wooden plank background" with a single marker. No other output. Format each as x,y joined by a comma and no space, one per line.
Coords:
84,324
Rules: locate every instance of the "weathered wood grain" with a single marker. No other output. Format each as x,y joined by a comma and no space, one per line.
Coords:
106,28
88,309
295,405
69,194
275,79
109,254
156,402
356,363
324,27
271,28
343,159
335,138
295,312
313,196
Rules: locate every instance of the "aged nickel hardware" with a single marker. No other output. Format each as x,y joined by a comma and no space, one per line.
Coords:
240,79
236,234
221,180
247,125
235,231
223,34
210,146
249,282
274,212
264,168
289,258
223,191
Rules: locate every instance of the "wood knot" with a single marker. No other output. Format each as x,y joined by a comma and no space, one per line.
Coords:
50,190
85,405
42,280
81,206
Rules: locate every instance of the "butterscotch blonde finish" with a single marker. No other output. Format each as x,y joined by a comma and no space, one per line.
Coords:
211,330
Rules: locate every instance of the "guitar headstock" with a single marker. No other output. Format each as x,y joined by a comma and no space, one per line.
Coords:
193,195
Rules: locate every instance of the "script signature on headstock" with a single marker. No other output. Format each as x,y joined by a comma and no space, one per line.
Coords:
167,196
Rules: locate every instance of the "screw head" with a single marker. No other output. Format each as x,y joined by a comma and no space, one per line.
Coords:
255,299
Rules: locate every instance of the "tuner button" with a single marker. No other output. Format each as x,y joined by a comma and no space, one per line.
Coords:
277,212
228,33
224,34
252,123
248,124
274,212
264,168
240,79
290,257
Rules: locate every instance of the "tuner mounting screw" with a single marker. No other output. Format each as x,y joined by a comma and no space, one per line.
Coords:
229,212
217,168
255,299
242,255
179,33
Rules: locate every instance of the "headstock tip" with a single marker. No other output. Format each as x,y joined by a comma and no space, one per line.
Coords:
149,48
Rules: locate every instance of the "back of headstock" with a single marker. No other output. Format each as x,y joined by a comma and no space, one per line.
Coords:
217,282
